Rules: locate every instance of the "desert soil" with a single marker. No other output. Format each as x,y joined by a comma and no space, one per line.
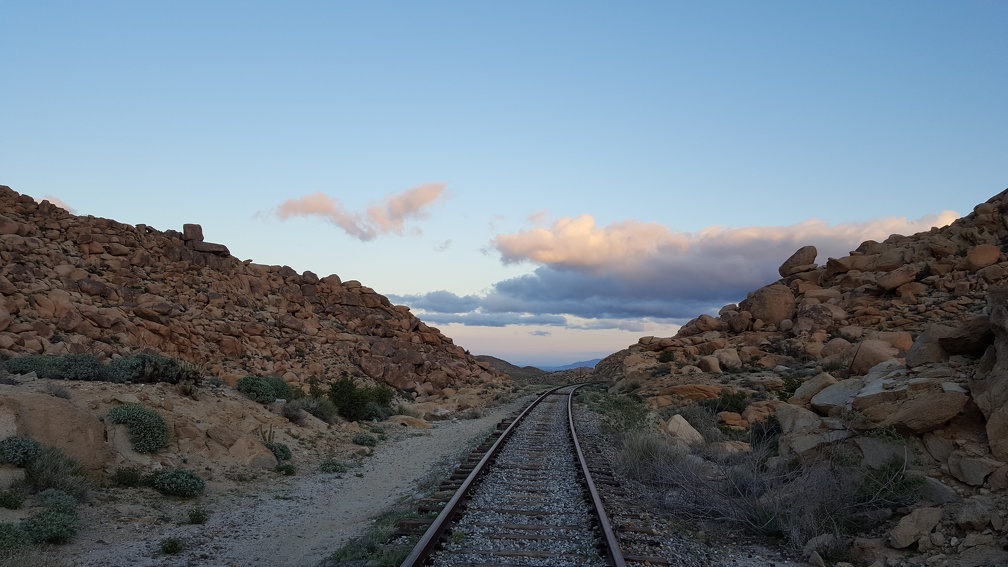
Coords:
295,521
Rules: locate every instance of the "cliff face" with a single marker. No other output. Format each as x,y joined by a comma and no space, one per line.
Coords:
73,284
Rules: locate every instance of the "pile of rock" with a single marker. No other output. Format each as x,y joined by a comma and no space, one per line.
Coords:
73,284
909,335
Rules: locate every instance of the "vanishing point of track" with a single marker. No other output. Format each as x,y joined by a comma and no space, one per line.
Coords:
528,499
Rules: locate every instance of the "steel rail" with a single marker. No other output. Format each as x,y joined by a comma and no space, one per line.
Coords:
432,536
613,552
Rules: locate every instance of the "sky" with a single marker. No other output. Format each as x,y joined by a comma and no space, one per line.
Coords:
544,182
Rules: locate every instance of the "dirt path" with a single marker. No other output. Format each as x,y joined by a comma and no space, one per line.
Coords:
288,521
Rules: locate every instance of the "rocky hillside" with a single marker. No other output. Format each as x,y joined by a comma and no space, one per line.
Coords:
907,336
75,284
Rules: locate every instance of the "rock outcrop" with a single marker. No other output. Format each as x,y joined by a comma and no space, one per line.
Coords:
72,284
907,336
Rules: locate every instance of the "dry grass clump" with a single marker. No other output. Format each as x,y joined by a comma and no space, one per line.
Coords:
831,495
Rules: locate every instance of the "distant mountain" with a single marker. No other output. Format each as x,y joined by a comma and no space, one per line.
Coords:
523,374
573,366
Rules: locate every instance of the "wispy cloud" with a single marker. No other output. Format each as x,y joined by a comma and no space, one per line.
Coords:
631,275
388,217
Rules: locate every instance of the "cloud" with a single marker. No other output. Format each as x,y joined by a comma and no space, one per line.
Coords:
58,202
540,333
386,218
633,276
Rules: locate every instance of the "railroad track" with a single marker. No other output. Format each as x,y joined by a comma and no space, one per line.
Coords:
526,497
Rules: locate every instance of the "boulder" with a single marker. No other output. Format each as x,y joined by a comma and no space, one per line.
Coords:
899,276
989,384
771,304
679,428
869,353
914,526
800,261
809,388
836,398
56,422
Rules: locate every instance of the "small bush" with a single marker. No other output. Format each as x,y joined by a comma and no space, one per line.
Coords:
293,412
197,515
52,469
332,466
178,482
322,408
129,477
359,403
145,368
888,486
171,546
13,539
735,402
11,499
68,367
264,389
19,450
365,440
58,501
286,469
147,429
51,526
280,450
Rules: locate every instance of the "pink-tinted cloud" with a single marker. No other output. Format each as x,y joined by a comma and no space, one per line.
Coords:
579,244
58,202
389,217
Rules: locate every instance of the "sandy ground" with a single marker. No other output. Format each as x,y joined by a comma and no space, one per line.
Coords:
293,521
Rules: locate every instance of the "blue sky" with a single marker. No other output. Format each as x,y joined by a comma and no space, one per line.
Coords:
543,181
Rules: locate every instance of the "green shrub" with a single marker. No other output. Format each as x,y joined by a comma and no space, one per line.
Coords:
265,389
172,546
18,450
365,440
321,408
178,482
147,429
129,477
52,469
736,402
197,515
146,368
666,356
280,450
58,500
286,469
13,539
50,526
332,466
359,403
67,367
11,499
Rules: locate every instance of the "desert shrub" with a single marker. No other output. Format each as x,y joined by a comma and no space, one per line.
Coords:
265,389
147,429
365,440
13,539
147,368
733,401
66,367
791,384
52,469
359,403
178,482
888,486
332,466
197,515
666,356
57,500
293,412
322,408
280,450
646,455
57,391
19,450
171,546
11,499
619,412
286,469
50,526
129,477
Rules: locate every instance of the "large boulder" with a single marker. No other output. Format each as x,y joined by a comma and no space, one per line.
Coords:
57,422
771,304
801,261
